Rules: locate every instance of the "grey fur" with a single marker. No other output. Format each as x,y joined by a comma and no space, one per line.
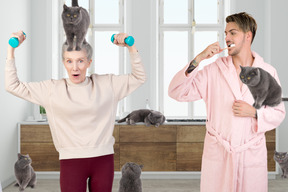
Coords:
24,172
130,180
149,117
282,159
263,87
76,21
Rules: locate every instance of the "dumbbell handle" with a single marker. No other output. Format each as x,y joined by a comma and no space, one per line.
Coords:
14,42
128,40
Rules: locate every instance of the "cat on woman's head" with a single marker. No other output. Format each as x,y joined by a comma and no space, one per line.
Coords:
24,172
282,159
263,87
130,180
76,21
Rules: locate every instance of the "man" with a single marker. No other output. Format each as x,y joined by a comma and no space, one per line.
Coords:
235,155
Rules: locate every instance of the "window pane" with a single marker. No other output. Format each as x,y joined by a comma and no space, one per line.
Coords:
81,3
106,54
106,12
175,12
206,11
175,58
202,40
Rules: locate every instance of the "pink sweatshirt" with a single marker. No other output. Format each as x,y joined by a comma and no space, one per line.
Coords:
81,116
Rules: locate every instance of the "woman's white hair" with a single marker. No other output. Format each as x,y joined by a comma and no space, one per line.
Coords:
86,46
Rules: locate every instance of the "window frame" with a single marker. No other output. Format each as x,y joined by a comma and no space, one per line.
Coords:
219,27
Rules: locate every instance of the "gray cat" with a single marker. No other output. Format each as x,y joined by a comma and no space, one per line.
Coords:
149,117
282,159
76,21
24,172
263,87
130,180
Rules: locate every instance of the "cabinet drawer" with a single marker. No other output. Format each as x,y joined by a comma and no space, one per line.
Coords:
44,156
141,133
154,156
35,134
191,133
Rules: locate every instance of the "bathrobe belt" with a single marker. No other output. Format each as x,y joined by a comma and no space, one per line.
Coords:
237,156
226,144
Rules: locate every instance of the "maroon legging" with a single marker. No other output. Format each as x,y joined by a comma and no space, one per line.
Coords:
99,171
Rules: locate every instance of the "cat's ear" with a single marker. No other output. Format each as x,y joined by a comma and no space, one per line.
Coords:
241,68
141,166
257,71
65,7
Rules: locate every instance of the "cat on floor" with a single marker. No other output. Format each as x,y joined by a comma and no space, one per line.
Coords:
282,159
263,87
130,180
24,172
149,117
76,21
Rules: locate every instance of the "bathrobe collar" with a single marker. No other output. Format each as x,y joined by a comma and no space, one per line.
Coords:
226,66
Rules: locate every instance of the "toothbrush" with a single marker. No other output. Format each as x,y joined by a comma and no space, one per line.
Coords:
231,45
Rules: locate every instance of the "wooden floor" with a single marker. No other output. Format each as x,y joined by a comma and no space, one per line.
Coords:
278,185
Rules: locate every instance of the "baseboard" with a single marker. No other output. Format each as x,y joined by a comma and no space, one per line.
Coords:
8,182
146,175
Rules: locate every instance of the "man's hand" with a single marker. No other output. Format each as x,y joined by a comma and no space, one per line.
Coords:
209,52
243,109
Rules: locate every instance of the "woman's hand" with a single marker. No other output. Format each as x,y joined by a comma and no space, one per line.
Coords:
119,40
21,38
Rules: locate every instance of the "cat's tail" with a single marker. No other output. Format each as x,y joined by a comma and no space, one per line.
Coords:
75,3
123,120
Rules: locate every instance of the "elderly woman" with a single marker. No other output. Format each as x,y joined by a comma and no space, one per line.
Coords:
81,112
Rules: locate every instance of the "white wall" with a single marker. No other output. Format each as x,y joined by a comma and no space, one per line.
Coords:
15,16
279,42
41,38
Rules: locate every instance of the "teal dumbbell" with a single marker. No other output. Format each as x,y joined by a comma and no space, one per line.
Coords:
128,40
14,42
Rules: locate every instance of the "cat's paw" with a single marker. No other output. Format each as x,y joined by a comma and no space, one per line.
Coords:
257,106
78,48
157,124
131,122
70,49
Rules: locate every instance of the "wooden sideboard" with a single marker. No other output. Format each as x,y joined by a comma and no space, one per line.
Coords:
166,148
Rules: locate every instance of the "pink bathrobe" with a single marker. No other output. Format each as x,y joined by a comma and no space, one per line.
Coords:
235,154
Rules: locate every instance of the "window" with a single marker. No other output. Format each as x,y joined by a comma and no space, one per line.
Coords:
186,27
168,34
